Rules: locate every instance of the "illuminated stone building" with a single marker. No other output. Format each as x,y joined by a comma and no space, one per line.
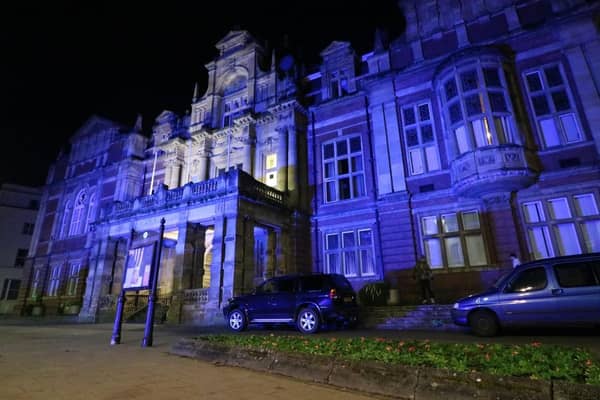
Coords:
473,135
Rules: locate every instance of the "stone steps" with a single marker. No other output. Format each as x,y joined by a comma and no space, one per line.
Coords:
416,317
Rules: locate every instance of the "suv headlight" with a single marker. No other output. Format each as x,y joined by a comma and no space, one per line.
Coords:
455,306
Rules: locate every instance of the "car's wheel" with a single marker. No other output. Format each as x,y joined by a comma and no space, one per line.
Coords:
483,323
236,320
308,320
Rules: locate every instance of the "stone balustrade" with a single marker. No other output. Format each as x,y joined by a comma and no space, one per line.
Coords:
195,296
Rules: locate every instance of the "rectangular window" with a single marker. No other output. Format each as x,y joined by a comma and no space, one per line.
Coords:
353,256
420,140
54,281
73,280
20,258
549,96
10,289
27,229
343,170
573,226
459,243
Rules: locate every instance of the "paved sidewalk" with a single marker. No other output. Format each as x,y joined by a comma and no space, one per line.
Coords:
71,362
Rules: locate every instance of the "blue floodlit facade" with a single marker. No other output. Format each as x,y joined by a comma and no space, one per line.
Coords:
471,136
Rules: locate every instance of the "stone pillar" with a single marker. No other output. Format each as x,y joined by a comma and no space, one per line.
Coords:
181,273
503,229
98,278
282,160
203,167
292,166
271,254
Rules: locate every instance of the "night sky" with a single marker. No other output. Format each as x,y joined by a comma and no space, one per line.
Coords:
63,61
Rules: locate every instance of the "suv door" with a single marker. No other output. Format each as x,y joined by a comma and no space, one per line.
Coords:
527,298
578,292
283,303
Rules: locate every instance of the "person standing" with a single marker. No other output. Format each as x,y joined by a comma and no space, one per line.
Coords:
423,274
514,259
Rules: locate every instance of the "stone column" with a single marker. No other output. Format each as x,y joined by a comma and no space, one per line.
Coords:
292,166
181,273
503,228
98,278
282,160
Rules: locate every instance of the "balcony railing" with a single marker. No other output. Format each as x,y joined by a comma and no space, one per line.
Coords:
490,169
195,296
234,181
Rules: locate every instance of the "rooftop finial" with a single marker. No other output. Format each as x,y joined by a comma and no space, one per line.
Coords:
195,97
138,123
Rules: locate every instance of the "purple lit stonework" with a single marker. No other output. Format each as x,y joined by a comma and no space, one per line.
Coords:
471,136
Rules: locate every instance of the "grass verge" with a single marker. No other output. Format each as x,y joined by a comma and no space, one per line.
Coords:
534,360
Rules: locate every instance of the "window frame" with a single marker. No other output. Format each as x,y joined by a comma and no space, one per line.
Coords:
354,171
546,91
341,253
421,147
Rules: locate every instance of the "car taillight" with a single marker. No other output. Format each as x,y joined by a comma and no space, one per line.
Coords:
333,294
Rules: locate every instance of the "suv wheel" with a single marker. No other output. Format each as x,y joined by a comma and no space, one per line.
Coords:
236,320
308,320
483,323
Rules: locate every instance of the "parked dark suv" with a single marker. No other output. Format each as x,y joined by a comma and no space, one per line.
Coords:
309,301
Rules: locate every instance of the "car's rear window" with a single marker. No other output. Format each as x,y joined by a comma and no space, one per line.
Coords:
341,282
312,283
576,274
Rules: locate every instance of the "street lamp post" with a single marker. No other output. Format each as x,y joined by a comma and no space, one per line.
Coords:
152,298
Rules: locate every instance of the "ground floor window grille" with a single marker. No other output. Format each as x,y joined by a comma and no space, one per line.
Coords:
73,280
54,282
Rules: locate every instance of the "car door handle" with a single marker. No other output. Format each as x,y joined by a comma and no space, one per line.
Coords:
556,292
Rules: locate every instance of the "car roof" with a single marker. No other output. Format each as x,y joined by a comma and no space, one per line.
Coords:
574,257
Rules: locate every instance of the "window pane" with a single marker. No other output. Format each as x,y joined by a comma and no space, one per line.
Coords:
476,250
342,147
502,130
570,127
333,263
470,220
549,133
450,89
331,193
480,133
355,145
430,226
358,185
540,105
426,133
329,170
424,112
553,76
344,188
357,163
591,235
343,166
534,82
412,139
348,239
461,140
566,238
491,77
585,205
416,162
497,102
450,223
409,116
365,238
454,252
533,212
350,263
328,151
559,208
540,242
455,112
366,260
468,80
529,280
333,242
473,105
433,164
561,100
433,251
574,275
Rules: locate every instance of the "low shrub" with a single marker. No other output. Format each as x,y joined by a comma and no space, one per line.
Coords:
374,294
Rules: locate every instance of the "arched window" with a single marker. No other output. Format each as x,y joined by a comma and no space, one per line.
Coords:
78,214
